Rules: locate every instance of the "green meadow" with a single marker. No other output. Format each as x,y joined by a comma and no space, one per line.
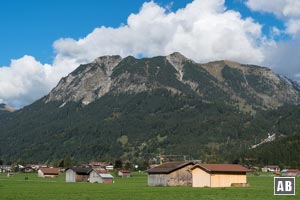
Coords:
34,188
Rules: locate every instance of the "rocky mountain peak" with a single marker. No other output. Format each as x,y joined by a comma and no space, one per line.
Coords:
247,86
177,60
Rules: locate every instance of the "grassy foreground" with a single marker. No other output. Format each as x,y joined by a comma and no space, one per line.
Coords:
16,187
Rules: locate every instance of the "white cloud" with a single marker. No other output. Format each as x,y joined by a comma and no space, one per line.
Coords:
204,30
287,10
24,79
282,56
281,8
293,27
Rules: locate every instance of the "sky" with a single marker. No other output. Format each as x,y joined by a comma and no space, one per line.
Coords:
43,41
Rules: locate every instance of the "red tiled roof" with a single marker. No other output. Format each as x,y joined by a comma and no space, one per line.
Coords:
293,170
124,171
168,167
222,168
50,171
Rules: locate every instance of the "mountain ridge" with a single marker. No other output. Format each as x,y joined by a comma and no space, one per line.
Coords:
91,81
136,109
6,108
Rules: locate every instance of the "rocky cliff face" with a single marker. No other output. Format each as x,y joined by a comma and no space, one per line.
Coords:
87,83
246,86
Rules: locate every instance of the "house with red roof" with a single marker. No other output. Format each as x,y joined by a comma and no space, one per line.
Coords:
48,172
290,172
219,175
124,173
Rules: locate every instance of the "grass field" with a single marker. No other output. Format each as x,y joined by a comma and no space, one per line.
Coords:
16,187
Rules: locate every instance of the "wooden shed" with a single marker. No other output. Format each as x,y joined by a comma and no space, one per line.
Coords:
97,176
48,172
106,178
219,175
171,174
78,174
124,173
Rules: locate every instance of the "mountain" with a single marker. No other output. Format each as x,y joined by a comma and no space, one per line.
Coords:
5,108
136,109
247,86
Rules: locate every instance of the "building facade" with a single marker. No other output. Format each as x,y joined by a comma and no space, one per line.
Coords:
171,174
219,175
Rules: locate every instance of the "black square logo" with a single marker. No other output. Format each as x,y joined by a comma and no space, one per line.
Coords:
284,185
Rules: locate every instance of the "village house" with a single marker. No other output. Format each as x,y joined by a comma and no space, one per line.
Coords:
78,174
101,166
271,168
171,174
48,172
6,168
290,172
124,173
109,167
219,175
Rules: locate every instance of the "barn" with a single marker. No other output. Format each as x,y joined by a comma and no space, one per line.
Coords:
97,176
219,175
106,178
171,174
48,172
124,173
78,174
290,172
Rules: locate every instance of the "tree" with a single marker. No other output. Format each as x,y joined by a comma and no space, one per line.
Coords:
118,164
67,162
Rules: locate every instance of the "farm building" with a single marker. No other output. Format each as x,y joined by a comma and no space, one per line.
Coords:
78,174
219,175
271,168
48,172
171,174
124,173
6,168
106,178
98,165
290,172
100,177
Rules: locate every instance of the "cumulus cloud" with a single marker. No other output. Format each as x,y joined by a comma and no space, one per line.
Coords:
287,10
204,30
282,56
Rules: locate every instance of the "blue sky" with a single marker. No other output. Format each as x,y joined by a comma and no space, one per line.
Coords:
42,41
31,26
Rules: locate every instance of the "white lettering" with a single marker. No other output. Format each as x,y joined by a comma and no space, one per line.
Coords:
280,186
288,186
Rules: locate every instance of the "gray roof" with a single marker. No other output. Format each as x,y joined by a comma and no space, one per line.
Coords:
105,175
169,167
